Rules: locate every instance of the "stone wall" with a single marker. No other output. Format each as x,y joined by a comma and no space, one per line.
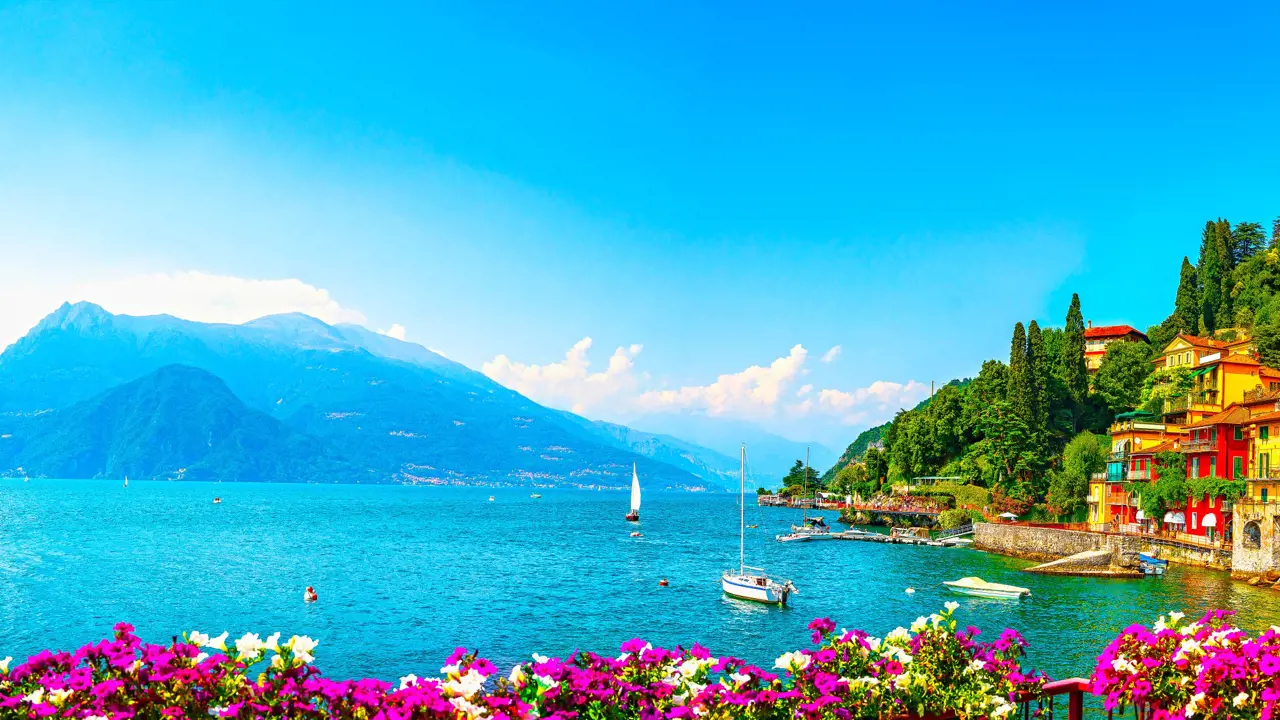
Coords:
1046,544
1263,557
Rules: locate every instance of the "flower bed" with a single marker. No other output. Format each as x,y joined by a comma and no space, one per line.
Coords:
1203,669
929,669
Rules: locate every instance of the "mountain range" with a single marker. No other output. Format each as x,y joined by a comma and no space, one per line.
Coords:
290,398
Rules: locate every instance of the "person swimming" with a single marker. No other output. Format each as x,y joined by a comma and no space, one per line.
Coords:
310,595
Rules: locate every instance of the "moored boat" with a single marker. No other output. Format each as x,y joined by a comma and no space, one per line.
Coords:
756,585
977,587
795,537
535,496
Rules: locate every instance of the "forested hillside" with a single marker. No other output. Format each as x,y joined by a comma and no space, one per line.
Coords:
1025,427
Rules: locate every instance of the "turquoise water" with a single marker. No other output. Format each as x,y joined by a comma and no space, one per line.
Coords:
407,573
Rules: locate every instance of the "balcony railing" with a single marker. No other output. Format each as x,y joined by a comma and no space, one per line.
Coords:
1193,446
1260,393
1178,404
1271,473
1138,475
1121,456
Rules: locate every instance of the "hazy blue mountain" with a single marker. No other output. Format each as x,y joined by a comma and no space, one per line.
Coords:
769,456
407,414
178,422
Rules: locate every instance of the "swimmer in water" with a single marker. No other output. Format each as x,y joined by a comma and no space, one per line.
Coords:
310,595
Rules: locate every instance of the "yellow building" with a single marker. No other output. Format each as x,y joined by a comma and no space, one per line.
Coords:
1222,373
1264,457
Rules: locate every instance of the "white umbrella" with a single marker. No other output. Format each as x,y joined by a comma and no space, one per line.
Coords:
1008,515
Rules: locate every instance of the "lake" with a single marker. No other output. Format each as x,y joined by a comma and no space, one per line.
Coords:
405,574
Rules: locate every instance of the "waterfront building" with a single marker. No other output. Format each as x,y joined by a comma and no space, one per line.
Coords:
1264,474
1096,340
1221,373
1114,494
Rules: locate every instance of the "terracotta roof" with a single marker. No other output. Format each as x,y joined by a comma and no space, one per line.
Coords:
1112,331
1266,417
1203,341
1265,371
1165,446
1233,415
1240,359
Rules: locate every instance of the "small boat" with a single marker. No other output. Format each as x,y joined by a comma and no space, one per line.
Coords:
490,498
1151,559
795,537
126,481
752,527
977,587
217,501
634,515
755,585
815,527
535,496
636,534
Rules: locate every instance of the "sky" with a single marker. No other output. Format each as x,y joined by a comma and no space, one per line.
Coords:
797,216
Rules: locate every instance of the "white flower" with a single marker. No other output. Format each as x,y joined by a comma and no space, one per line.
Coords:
450,670
920,624
1194,705
740,679
1190,629
198,638
792,661
690,667
4,664
472,711
272,642
104,717
1240,699
1001,707
1176,616
249,646
202,657
517,675
935,619
302,647
408,680
952,606
539,658
57,696
545,681
976,666
467,685
277,662
36,697
1189,645
219,642
1160,626
899,633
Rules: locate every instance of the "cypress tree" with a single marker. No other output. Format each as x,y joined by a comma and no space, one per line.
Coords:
1040,366
1074,375
1187,304
1209,271
1275,233
1021,391
1226,247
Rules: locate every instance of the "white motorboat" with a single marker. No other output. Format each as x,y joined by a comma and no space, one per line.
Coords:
795,537
977,587
815,527
755,585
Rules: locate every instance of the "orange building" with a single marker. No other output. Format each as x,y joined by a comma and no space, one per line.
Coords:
1222,373
1096,340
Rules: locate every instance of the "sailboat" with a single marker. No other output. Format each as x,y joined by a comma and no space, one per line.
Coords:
126,481
754,585
812,528
634,515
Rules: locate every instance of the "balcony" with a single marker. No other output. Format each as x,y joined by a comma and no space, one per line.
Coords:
1178,404
1195,446
1138,475
1260,394
1119,457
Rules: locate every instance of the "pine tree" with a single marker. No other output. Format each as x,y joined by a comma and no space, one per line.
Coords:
1021,383
1209,272
1226,246
1275,233
1040,367
1250,239
1074,375
1187,304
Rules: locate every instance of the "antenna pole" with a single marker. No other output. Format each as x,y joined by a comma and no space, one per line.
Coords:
742,513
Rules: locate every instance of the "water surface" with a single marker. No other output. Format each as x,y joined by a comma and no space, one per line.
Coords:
405,574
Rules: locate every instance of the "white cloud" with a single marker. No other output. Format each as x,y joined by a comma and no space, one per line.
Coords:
832,354
804,390
570,383
191,295
395,331
876,399
751,393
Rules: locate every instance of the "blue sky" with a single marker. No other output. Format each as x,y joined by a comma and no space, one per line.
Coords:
702,188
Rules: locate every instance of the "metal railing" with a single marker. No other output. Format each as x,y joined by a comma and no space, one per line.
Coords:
1139,474
1191,446
1177,404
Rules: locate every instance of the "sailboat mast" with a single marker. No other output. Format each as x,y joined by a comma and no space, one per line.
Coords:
742,512
806,486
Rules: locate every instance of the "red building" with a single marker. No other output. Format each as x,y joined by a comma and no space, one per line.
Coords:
1096,340
1218,446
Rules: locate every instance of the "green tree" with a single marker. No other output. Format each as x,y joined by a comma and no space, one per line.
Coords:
1040,368
877,466
1275,233
1249,240
1075,378
1187,303
1022,394
1085,455
1209,273
1007,447
1226,246
1170,487
1121,376
1266,340
795,478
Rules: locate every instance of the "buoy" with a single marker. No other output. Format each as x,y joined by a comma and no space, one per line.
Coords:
663,582
310,595
911,591
636,534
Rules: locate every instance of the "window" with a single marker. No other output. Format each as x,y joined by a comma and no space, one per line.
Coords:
1237,468
1193,521
1195,467
1252,536
1213,467
1264,432
1264,494
1239,433
1264,464
1213,435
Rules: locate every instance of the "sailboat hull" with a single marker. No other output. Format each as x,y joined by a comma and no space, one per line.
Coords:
745,588
633,516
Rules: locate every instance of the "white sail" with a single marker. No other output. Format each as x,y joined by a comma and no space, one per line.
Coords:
635,489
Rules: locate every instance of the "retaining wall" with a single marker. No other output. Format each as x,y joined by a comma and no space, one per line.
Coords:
1046,544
